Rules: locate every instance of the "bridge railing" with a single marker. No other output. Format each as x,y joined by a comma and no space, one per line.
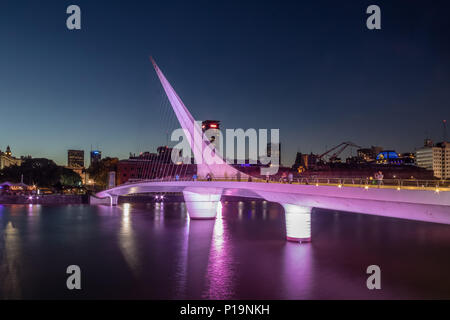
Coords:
399,184
373,183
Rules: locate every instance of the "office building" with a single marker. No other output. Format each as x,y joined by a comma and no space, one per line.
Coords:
436,158
75,158
96,156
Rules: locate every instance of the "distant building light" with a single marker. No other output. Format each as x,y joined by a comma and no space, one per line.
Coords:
387,155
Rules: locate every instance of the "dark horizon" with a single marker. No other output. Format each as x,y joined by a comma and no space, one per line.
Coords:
312,69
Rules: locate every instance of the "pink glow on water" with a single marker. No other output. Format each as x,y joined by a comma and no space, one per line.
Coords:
220,271
297,275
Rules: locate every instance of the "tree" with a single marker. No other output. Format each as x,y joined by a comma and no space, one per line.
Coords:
99,171
41,172
69,177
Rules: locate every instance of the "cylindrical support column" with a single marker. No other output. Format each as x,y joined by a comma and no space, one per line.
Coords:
114,200
298,223
202,203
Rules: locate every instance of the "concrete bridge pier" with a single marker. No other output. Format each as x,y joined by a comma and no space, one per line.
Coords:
298,222
114,200
201,203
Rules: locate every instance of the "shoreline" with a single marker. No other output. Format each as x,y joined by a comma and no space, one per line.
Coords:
85,199
44,199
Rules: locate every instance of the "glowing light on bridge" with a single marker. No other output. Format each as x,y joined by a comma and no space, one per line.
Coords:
298,223
202,204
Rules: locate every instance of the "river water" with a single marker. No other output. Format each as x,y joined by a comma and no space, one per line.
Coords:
153,251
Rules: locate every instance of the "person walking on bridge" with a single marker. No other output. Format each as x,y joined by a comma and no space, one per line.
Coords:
379,177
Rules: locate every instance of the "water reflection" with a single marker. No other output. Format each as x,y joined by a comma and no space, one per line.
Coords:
220,284
154,251
127,242
240,210
264,210
159,215
181,270
10,261
297,274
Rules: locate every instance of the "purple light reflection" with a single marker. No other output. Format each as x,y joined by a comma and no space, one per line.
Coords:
220,271
297,274
127,241
181,273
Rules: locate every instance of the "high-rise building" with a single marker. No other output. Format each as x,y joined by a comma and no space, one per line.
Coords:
96,156
435,158
75,158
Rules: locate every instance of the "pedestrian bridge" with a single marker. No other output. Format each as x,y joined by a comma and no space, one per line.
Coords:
420,203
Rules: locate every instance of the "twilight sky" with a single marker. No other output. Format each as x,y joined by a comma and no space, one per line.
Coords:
310,68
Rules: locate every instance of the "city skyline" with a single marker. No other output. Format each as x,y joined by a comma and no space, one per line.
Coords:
64,89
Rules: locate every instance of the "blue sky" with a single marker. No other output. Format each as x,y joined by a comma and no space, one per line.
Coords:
310,68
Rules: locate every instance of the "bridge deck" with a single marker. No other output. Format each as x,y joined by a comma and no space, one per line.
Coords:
414,203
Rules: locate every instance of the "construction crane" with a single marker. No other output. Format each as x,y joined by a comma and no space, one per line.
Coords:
338,150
